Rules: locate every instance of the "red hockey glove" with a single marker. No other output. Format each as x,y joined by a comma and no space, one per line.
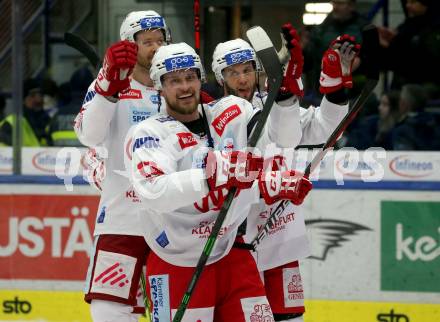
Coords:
337,63
292,58
227,169
284,185
119,61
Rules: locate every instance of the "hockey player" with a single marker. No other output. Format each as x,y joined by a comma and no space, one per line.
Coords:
278,254
120,97
183,160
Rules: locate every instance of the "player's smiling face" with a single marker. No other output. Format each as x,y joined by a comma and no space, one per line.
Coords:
181,90
240,80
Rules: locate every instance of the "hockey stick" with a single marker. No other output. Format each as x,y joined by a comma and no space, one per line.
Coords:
80,44
369,57
269,59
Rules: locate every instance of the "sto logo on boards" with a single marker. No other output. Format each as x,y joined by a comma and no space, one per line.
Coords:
16,306
392,317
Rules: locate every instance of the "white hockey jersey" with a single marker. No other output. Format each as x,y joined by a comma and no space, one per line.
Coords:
105,124
167,172
287,240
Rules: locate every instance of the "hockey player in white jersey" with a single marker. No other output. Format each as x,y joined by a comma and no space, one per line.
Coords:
175,155
120,97
277,255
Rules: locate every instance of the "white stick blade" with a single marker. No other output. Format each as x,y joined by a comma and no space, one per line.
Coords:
259,38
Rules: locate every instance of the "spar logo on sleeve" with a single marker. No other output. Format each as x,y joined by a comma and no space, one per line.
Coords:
224,118
137,115
45,236
160,297
186,140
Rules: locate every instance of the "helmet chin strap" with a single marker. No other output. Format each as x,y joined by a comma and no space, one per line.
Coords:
159,104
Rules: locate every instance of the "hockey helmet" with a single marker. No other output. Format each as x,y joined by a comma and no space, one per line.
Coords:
172,58
230,53
136,21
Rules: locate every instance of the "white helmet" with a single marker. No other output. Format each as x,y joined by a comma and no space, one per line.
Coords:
143,20
230,53
171,58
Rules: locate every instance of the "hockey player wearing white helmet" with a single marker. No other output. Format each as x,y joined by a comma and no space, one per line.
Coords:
177,160
120,97
236,68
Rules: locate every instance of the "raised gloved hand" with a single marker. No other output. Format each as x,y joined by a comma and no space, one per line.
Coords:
292,59
337,64
227,169
284,185
119,61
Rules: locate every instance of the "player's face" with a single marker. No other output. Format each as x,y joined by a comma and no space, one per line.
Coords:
148,41
181,90
240,80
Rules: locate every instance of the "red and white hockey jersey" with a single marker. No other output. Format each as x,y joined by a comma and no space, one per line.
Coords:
105,124
287,241
168,173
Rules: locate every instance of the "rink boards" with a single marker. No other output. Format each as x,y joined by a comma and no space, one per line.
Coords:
375,245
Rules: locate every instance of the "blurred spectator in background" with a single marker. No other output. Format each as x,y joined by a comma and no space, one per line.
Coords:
61,126
344,19
34,121
416,129
50,93
375,130
412,51
2,106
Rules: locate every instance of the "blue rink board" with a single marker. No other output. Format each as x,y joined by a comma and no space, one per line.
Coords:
321,184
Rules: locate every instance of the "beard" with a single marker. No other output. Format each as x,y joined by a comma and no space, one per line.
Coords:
182,108
145,64
231,91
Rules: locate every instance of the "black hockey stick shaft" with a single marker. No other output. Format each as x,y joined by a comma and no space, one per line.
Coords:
269,59
370,67
80,44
